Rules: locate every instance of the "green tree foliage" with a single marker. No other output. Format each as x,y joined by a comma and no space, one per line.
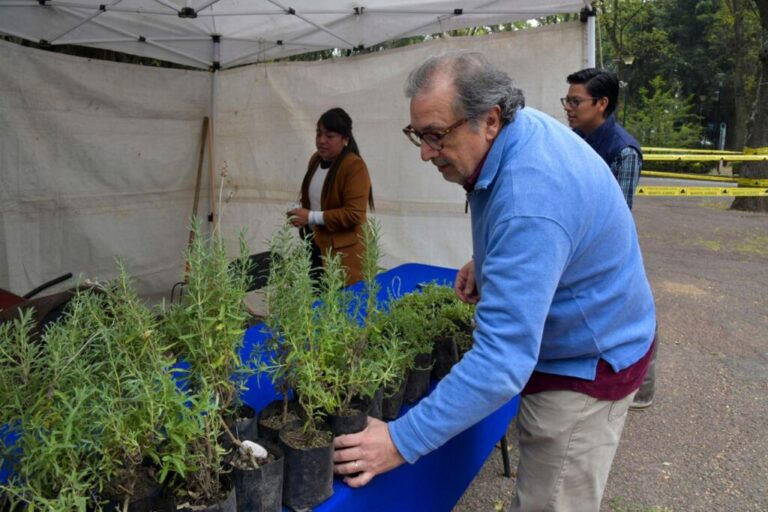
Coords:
664,117
709,48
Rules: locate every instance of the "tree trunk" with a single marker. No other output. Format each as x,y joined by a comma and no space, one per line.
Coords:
757,129
741,103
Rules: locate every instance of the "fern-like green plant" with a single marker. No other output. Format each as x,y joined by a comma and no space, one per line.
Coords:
206,331
325,345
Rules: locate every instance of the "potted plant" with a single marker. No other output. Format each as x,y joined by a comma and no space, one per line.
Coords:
358,363
448,320
289,295
290,358
409,316
320,349
88,403
206,331
386,337
462,315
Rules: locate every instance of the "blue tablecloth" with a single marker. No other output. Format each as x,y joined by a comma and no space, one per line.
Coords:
436,481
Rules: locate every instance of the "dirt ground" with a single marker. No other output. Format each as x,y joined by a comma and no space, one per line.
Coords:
703,444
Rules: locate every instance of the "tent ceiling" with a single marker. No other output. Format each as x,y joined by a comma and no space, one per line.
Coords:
226,33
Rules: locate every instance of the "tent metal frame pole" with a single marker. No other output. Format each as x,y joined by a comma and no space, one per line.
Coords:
212,217
591,40
248,54
82,21
310,22
136,37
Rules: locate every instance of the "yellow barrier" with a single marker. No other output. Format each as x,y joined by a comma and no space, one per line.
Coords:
743,182
650,149
705,158
701,191
756,151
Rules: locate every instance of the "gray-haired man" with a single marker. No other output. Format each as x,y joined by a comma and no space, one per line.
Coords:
555,262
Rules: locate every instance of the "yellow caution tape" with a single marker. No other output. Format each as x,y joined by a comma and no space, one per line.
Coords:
756,151
651,149
704,158
743,182
701,191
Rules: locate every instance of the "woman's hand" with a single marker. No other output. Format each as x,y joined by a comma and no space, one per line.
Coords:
465,285
299,217
365,454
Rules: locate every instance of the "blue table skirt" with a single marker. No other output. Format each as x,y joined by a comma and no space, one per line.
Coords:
437,480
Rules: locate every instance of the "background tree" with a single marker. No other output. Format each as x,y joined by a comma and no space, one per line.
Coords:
664,117
757,130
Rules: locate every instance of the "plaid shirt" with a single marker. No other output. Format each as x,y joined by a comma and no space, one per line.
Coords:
626,169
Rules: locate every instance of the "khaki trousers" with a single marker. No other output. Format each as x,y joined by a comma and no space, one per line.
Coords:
567,442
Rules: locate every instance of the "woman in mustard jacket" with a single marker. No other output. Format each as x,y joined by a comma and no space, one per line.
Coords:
335,194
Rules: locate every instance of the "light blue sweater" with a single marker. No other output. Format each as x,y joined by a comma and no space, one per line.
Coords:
560,276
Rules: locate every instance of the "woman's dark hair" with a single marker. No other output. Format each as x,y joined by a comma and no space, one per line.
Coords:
338,121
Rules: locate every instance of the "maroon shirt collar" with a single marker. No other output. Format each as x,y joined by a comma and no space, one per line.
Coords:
469,184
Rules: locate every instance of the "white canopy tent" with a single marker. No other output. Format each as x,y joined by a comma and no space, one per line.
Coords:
225,33
99,159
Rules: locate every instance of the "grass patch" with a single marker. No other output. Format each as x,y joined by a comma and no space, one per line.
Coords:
712,245
754,245
716,204
619,504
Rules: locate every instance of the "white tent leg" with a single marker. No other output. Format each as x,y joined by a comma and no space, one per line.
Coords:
213,217
590,50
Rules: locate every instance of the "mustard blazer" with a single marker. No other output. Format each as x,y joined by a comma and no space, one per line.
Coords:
344,201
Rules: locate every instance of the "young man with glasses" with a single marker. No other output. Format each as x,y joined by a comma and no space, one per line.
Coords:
590,105
555,261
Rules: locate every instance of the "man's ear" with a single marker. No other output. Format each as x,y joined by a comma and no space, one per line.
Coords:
493,122
602,104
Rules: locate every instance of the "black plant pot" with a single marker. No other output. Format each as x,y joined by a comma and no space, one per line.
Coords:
261,489
245,427
308,472
270,422
349,422
446,354
393,401
418,378
371,405
148,494
158,501
374,408
228,504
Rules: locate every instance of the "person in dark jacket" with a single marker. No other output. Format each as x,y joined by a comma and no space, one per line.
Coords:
590,105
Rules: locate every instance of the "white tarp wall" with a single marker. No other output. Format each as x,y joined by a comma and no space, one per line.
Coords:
99,159
266,118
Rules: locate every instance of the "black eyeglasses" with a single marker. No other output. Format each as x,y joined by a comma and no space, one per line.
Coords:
574,102
432,139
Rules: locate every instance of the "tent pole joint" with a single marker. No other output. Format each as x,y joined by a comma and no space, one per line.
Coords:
586,13
187,13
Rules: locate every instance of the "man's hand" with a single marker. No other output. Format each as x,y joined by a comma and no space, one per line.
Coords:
299,217
465,286
367,453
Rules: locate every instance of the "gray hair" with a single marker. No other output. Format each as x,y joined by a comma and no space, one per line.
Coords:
479,85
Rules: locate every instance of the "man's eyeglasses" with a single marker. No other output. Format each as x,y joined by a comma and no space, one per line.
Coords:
432,139
574,102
